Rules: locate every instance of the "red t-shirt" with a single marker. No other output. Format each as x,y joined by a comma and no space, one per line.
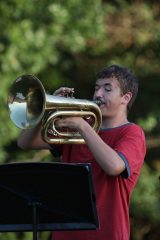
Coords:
112,193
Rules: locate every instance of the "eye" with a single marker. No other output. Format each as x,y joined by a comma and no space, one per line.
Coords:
96,88
107,89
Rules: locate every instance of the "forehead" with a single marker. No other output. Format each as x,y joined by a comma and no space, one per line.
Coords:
112,81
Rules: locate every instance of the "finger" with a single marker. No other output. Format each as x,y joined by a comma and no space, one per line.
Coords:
67,90
59,91
63,91
60,123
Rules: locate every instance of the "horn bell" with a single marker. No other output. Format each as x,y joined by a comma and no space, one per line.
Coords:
26,101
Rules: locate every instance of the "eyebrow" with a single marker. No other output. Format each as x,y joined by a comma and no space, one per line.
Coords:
105,84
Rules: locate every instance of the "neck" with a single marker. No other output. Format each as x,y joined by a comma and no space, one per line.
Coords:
110,122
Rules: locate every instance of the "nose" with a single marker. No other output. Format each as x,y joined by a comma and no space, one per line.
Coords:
98,93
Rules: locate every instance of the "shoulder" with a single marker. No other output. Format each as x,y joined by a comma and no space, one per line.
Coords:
134,129
134,135
129,131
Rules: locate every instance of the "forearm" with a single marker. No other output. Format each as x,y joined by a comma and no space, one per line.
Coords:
31,139
105,156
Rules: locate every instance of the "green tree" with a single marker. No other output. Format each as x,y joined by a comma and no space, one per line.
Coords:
65,43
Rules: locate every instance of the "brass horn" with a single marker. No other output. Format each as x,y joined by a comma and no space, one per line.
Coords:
29,104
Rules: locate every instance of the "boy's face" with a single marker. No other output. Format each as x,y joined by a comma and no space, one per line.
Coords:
108,91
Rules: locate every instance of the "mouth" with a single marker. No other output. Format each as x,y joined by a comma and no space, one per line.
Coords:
102,106
99,102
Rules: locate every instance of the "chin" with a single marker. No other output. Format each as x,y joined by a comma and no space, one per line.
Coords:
105,115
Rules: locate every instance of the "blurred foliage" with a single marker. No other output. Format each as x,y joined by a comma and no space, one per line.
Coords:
66,43
145,207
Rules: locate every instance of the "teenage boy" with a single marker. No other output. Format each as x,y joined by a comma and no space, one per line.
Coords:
116,153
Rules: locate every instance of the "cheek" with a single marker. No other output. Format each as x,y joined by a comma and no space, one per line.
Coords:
113,101
93,96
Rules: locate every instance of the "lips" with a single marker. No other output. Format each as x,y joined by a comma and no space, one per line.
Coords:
102,105
99,102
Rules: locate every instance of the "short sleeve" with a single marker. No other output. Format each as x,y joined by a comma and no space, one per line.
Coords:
131,148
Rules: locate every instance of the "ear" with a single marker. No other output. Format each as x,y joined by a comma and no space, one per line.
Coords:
126,98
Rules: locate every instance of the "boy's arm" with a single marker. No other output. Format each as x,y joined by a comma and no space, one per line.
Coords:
106,157
31,139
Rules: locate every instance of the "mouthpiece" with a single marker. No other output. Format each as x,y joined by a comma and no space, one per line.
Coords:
98,102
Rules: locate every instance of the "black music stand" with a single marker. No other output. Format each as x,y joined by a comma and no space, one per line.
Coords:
46,197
